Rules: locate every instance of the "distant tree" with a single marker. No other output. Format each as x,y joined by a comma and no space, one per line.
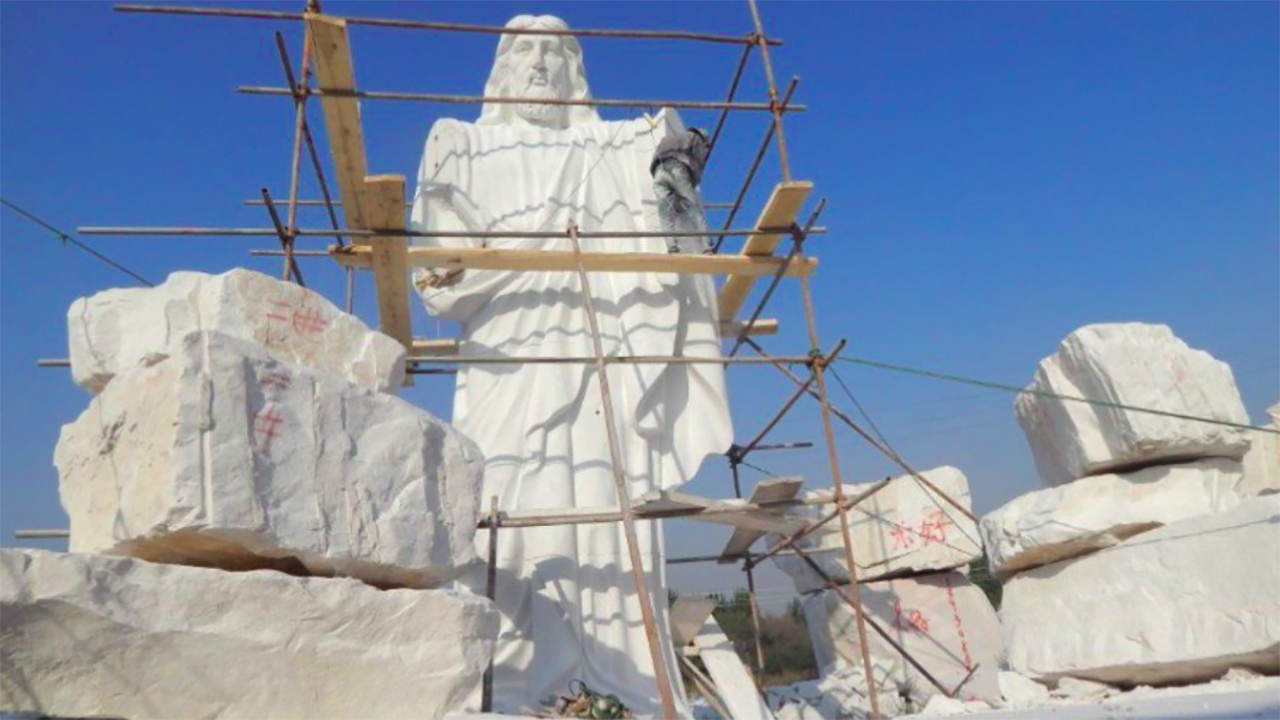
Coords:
788,654
980,575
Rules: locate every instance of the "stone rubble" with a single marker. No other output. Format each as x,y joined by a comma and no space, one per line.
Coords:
1262,462
222,455
1019,691
1132,364
91,636
1182,603
943,620
905,527
119,329
1096,512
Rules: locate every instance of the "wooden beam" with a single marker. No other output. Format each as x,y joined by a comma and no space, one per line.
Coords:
556,260
781,210
764,326
382,200
768,491
687,617
334,71
733,681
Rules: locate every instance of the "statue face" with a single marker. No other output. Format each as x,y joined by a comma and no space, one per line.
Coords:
539,69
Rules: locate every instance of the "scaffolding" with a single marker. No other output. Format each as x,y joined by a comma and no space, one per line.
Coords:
373,236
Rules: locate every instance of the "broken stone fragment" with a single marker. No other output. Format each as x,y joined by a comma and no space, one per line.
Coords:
1180,604
221,455
1020,691
93,636
1262,462
1092,513
904,527
1137,365
943,620
116,330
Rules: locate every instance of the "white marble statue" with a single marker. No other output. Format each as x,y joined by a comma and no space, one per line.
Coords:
569,608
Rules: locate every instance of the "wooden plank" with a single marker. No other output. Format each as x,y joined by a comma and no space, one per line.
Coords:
556,260
768,491
733,682
781,210
383,201
729,329
687,617
331,53
736,513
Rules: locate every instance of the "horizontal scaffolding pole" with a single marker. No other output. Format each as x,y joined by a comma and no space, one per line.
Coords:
750,39
499,100
565,261
595,516
608,360
311,202
41,534
140,231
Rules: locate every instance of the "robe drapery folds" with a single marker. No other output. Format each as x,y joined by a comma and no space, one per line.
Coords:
568,601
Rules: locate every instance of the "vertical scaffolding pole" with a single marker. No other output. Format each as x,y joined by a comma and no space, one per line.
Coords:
299,126
773,91
661,673
751,579
491,592
818,369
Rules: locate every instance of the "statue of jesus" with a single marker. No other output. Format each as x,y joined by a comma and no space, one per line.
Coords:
569,607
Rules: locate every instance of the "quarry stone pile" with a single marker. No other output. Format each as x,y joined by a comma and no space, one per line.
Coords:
92,636
904,527
1182,603
942,619
1149,558
123,328
1136,365
220,455
1100,511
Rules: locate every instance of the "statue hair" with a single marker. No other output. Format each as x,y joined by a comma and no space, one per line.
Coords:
575,69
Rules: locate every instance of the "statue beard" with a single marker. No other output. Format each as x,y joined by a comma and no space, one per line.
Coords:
539,113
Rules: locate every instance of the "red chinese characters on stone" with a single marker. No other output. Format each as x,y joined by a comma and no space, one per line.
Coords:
903,537
913,620
301,319
266,426
933,528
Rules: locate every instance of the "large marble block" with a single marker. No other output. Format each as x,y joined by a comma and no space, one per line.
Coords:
93,636
1132,364
223,456
903,527
943,620
1100,511
1182,603
119,329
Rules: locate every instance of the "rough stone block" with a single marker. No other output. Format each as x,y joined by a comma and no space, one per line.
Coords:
92,636
943,620
1100,511
903,527
119,329
1182,603
1137,365
223,456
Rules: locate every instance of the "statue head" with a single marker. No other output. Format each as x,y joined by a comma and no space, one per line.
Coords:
539,66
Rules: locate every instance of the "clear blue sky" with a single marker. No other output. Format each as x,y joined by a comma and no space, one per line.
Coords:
998,173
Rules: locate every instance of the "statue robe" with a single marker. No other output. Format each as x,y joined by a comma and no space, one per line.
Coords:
568,603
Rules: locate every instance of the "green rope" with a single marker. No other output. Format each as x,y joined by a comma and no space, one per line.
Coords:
1044,393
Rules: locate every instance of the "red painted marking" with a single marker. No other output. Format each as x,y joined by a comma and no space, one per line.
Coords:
933,528
278,380
915,619
902,536
309,321
267,425
955,614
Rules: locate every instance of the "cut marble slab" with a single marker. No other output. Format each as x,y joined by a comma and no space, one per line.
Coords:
1132,364
942,619
116,330
902,528
221,455
1102,510
1182,603
94,636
